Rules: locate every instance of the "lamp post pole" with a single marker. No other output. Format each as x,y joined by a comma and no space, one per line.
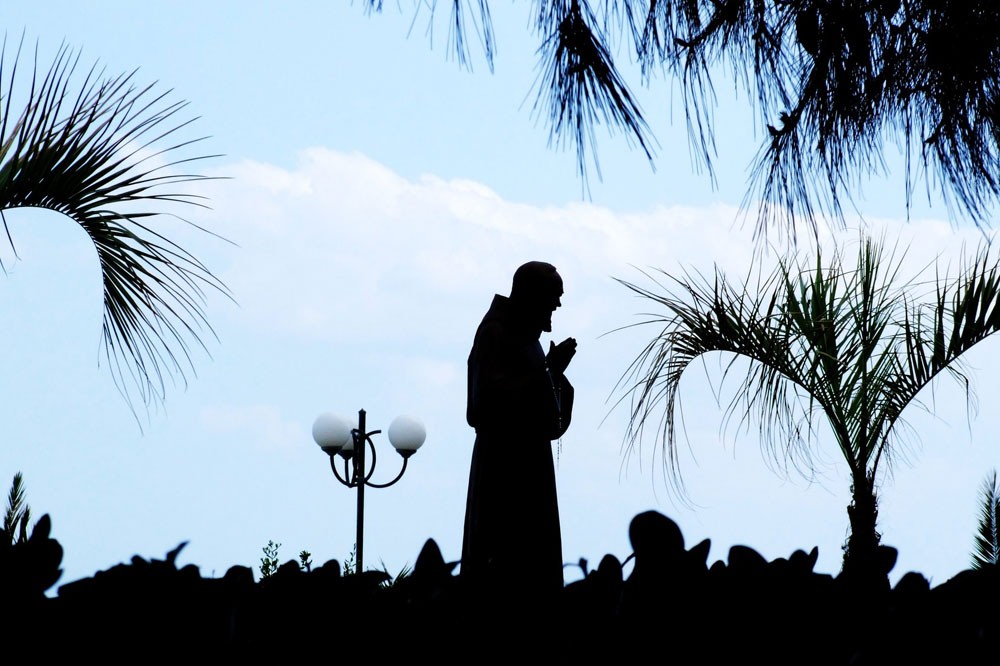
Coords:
359,477
336,436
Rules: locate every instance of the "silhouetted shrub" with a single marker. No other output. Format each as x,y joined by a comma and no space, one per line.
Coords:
671,604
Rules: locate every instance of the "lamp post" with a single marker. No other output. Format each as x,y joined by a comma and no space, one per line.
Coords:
335,435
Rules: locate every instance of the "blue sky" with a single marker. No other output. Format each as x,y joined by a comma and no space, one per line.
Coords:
377,196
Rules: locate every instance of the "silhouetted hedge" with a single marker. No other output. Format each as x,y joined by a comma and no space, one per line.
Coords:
673,607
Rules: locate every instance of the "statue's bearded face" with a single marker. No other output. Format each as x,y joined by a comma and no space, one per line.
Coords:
537,290
549,298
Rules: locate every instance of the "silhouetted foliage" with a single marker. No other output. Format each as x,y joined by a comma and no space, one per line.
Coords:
28,568
743,609
835,83
29,557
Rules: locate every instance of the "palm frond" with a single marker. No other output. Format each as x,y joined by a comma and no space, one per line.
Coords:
987,545
826,341
17,514
965,312
706,316
104,154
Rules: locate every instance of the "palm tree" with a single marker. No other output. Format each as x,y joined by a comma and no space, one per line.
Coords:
849,345
104,154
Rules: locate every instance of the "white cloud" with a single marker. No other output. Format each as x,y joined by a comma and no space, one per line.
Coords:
385,279
343,239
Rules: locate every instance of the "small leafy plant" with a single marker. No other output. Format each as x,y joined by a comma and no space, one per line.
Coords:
350,562
271,560
269,563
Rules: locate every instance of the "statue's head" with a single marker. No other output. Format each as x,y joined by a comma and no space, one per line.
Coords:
536,291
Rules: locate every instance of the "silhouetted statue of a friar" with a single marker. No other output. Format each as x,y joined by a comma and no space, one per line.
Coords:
519,401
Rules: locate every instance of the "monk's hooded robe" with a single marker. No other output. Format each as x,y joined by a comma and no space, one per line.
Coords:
518,407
